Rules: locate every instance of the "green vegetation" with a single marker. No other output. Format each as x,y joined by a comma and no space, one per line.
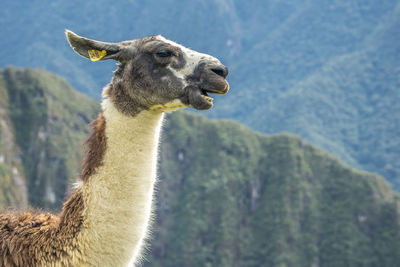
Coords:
50,122
349,108
227,196
6,186
230,197
326,72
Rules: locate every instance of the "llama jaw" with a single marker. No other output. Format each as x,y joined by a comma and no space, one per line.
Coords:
199,99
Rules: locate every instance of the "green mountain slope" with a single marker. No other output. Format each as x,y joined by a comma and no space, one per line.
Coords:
48,124
231,197
13,189
349,107
330,75
226,196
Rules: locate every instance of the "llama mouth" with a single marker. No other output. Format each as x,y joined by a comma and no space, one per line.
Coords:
197,96
204,93
205,96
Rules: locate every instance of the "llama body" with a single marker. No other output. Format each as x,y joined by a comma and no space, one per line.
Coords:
106,219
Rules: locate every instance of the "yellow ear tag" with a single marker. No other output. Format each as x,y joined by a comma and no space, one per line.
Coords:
96,55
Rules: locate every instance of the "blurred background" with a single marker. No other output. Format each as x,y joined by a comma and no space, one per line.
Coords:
301,166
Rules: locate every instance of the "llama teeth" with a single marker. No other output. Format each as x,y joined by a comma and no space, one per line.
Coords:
207,98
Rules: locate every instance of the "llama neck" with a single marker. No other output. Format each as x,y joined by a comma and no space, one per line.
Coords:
119,194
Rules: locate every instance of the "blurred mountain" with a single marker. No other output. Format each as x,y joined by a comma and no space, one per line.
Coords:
343,94
226,196
327,71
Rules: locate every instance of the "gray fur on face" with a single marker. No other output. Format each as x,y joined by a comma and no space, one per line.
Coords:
154,71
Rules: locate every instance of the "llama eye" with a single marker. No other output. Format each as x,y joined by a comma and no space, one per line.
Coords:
164,53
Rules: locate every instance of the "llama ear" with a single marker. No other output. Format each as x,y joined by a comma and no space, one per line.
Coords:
95,50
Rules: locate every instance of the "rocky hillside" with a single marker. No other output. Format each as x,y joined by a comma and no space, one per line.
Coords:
13,189
227,196
231,197
43,122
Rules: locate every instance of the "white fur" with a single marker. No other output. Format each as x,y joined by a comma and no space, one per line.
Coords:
118,198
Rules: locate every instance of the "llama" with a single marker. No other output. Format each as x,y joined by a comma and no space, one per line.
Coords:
106,218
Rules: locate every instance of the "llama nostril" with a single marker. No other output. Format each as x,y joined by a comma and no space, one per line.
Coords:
220,70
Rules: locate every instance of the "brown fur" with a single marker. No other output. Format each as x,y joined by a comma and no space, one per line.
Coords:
95,148
30,239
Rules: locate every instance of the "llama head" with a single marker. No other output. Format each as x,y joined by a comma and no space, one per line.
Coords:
155,73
